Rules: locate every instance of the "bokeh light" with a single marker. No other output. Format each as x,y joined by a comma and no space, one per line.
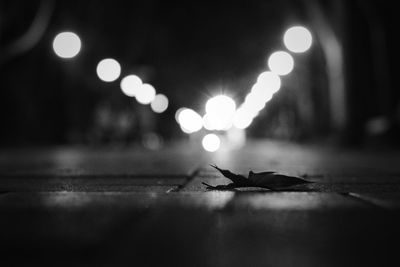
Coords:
146,94
177,114
130,85
220,104
208,122
269,81
108,70
211,142
253,103
159,104
281,63
152,141
242,119
190,121
219,112
67,44
297,39
261,93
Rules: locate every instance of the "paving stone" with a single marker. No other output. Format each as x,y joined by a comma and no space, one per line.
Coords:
330,237
390,200
345,187
294,201
120,200
184,232
89,183
176,160
111,208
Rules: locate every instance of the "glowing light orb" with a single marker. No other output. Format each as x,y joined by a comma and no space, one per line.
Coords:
261,93
297,39
146,94
190,121
177,114
130,85
220,104
211,142
212,122
281,63
159,104
108,70
269,81
254,103
208,122
67,44
220,110
242,119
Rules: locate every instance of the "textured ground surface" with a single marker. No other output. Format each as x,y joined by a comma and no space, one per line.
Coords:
80,207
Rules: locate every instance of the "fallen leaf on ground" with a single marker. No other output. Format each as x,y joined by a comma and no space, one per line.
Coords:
269,180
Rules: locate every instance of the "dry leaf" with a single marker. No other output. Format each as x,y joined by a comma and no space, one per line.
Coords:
269,180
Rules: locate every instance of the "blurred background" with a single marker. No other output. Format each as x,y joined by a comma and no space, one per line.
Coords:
146,73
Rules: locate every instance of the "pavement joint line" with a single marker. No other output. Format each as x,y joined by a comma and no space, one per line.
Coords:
359,198
189,177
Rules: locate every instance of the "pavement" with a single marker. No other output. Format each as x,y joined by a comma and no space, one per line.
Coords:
80,206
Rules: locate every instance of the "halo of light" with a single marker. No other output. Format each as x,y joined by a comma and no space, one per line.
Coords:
208,122
211,142
269,81
130,85
220,111
146,94
297,39
108,70
159,104
253,102
190,121
281,63
67,44
242,119
177,114
220,105
261,93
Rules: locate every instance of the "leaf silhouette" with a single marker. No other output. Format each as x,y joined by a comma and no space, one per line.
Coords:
269,180
272,179
237,179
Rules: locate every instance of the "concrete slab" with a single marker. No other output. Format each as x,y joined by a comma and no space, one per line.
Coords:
84,183
294,201
389,200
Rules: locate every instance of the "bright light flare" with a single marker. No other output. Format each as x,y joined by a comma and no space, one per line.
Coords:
67,44
261,93
190,121
108,70
220,105
269,81
159,104
219,112
211,142
254,103
242,119
281,63
177,113
208,122
146,94
130,85
297,39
